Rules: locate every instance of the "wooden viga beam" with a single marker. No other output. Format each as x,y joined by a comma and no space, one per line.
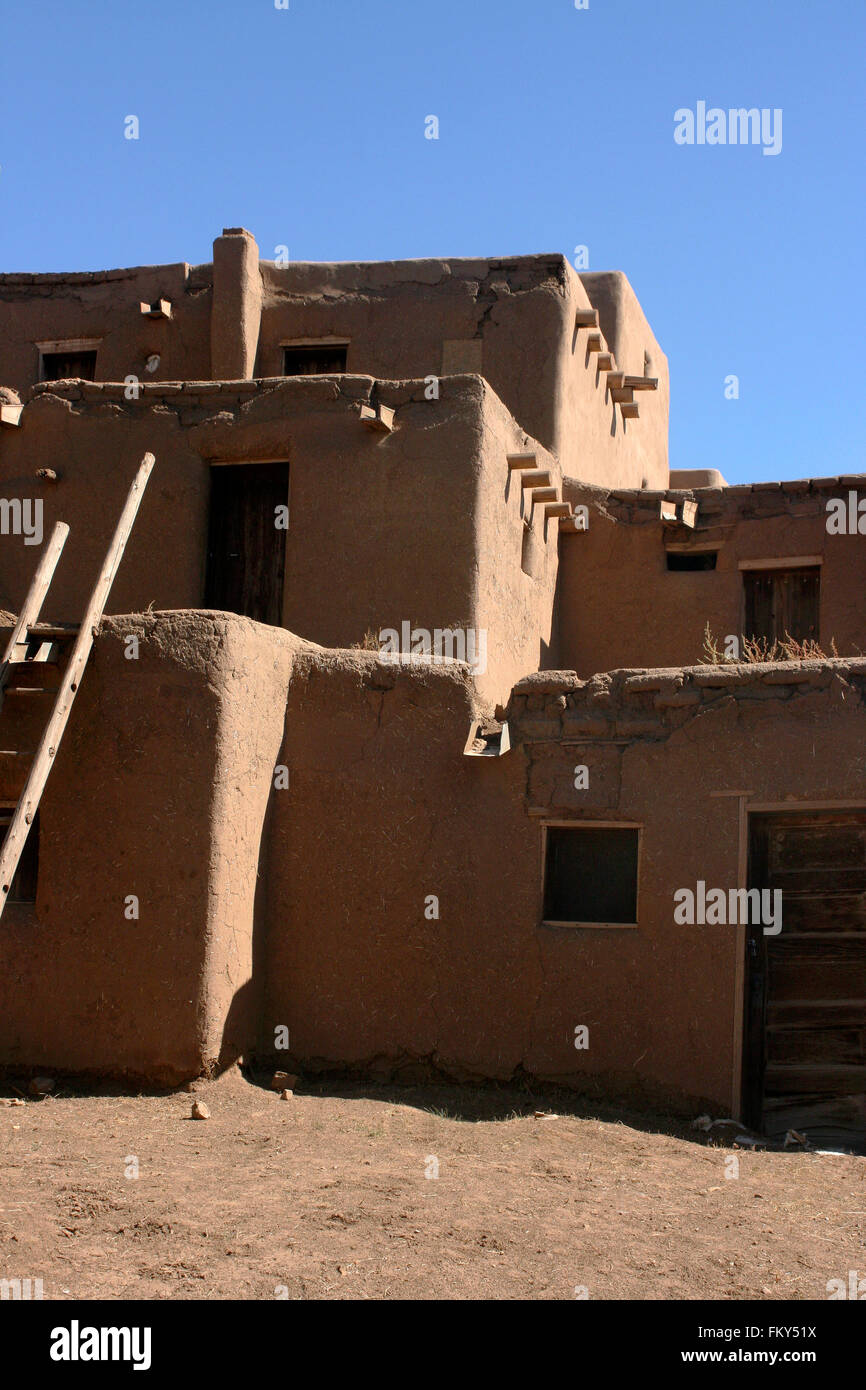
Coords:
46,753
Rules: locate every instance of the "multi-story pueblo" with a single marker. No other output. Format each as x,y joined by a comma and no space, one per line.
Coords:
434,727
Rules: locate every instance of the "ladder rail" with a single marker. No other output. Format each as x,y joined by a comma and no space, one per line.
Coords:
28,803
32,606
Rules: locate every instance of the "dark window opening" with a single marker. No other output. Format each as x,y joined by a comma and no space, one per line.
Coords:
246,557
23,886
320,359
682,560
60,366
782,602
590,875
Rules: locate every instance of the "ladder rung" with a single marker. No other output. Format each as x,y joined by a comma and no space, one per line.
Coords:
25,691
46,651
62,631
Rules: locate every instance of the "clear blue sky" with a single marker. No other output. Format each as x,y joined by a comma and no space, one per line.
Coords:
306,125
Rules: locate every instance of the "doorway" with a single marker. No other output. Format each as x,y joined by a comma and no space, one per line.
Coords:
804,1055
246,553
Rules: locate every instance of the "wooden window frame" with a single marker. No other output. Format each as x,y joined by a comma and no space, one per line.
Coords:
57,345
311,344
575,824
776,565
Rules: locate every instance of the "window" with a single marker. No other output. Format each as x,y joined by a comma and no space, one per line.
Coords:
60,366
782,602
23,888
590,875
683,560
315,359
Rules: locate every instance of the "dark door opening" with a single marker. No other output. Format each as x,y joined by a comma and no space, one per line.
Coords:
246,554
804,1055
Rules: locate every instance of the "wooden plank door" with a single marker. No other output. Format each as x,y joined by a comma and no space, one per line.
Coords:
805,1034
246,552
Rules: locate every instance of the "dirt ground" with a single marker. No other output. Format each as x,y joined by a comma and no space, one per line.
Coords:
327,1196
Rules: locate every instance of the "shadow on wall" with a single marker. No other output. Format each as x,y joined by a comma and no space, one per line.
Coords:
240,1030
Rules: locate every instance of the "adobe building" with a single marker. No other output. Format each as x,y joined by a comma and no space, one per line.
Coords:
422,740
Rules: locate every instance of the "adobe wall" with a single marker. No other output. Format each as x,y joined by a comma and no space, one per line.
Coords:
106,305
418,525
254,665
164,787
517,556
501,319
159,790
512,321
593,441
620,606
384,810
665,749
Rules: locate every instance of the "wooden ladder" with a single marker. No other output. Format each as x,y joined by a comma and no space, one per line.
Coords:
33,660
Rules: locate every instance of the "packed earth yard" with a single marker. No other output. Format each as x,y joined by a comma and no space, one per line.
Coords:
343,1192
